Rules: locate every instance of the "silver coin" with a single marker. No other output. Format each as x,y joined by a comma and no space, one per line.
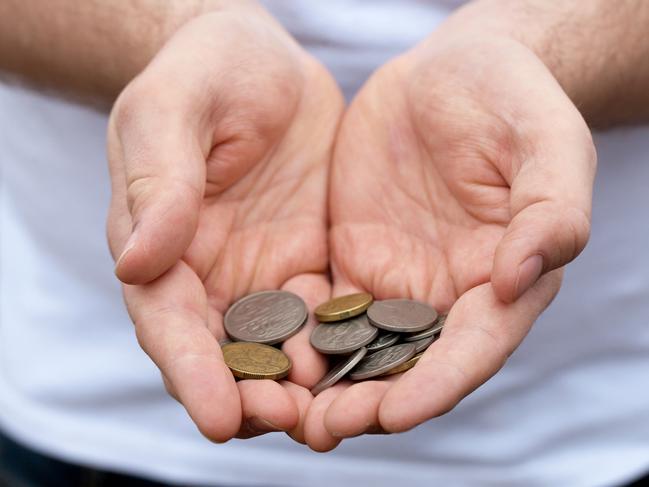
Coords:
384,340
402,315
339,371
423,344
267,317
434,330
343,336
382,361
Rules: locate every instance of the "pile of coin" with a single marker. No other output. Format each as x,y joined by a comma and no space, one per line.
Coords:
379,338
375,338
255,323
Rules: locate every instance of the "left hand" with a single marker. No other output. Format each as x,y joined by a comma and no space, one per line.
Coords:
219,153
462,177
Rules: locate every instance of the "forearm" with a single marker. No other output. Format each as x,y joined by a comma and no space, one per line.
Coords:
89,48
598,49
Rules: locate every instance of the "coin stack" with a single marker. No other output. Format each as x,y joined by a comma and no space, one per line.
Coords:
376,339
255,323
379,338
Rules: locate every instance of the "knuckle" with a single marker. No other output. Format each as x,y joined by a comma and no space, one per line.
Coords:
578,223
138,194
127,106
174,196
146,99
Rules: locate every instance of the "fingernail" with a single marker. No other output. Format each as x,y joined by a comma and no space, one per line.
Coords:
130,243
528,273
261,425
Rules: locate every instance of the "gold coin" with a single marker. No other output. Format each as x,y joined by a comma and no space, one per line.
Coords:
404,366
343,307
255,361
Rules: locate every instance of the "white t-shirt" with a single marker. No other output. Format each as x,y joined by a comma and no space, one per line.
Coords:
571,407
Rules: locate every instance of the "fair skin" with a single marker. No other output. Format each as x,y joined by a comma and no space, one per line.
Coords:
461,175
219,192
450,203
470,191
219,152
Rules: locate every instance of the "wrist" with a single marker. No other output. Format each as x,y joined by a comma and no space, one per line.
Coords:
177,13
157,26
593,49
90,50
537,25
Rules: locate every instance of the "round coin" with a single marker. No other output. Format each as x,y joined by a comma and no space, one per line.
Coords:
255,361
407,365
384,340
434,330
343,307
402,315
339,371
265,317
382,361
343,337
423,344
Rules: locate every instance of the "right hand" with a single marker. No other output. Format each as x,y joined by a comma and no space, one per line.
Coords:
462,177
219,153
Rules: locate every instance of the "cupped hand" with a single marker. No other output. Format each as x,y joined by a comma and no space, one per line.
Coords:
462,177
219,153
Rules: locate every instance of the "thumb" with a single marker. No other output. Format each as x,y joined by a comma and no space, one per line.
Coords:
551,196
160,167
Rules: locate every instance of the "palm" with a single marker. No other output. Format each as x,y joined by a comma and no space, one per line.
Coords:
269,225
420,209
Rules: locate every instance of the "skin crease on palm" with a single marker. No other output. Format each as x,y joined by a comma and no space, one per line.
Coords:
472,159
219,156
